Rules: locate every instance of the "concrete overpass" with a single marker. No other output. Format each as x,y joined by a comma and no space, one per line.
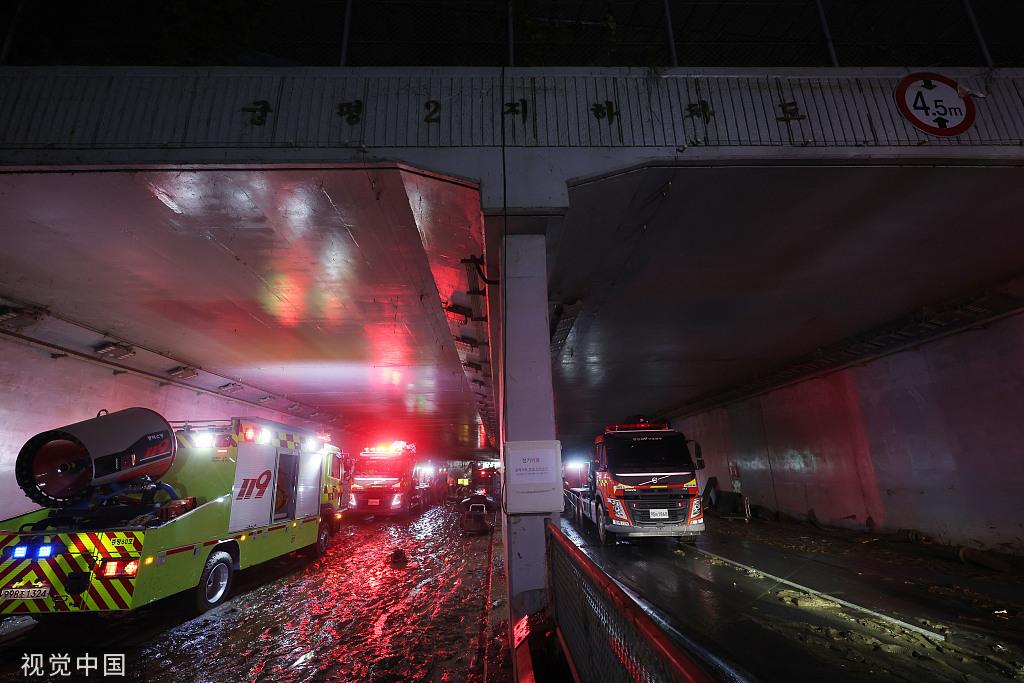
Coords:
712,240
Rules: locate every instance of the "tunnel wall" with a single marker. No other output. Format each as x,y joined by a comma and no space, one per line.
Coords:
928,439
41,393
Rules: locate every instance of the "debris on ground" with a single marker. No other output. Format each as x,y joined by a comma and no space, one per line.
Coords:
808,600
357,614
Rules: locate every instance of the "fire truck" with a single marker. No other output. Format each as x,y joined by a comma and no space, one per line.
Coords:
485,478
136,508
641,482
387,480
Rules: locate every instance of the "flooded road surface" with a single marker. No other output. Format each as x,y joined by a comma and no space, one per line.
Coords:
353,615
768,631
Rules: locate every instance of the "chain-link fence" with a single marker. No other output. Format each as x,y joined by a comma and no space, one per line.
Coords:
585,32
607,636
428,32
548,33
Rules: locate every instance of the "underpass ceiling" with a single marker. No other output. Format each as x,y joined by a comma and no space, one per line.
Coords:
325,287
697,279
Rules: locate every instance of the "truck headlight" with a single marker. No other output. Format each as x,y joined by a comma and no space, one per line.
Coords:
618,509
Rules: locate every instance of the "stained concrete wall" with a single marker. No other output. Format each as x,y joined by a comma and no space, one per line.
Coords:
39,393
929,439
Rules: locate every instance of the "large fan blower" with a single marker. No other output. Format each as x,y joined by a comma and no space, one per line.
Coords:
62,466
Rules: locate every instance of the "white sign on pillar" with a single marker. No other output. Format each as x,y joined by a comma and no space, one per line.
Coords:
533,477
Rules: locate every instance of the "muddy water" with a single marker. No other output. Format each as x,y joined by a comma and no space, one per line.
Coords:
354,615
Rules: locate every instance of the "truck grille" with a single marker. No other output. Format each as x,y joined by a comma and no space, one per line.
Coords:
640,506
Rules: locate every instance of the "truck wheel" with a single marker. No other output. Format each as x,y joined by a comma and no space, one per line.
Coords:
604,537
215,581
323,540
327,517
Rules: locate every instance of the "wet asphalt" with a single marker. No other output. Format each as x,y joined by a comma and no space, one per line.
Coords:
753,628
353,615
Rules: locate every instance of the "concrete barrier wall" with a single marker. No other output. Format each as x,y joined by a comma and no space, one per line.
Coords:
930,439
40,393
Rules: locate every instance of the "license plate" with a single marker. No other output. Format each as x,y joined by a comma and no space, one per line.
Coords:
659,514
373,501
25,593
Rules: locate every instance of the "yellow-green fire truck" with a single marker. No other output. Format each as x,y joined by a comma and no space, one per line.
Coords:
136,509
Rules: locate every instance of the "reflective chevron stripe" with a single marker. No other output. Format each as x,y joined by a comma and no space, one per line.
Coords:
83,550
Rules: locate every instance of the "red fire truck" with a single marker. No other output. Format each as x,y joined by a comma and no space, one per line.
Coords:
642,481
388,481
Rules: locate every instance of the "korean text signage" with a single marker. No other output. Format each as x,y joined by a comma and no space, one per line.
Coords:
934,103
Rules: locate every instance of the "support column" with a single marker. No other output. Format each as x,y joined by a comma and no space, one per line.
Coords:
528,407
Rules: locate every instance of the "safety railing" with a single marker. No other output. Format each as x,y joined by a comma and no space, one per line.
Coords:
605,635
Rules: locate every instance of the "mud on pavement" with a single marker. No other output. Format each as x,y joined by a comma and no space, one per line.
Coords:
361,613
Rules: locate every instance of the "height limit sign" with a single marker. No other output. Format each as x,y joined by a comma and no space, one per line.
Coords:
934,103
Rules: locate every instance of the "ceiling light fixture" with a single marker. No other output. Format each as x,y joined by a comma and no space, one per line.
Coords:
9,313
114,350
183,372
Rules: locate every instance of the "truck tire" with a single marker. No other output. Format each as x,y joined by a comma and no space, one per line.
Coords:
323,540
604,537
215,581
327,517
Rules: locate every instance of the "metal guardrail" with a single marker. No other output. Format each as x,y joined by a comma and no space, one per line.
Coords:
606,635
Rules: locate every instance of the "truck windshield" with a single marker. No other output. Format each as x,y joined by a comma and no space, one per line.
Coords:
379,467
647,452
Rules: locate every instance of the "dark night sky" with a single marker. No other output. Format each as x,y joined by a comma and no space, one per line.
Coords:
475,32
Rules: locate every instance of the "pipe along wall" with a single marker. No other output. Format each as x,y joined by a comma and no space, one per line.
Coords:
40,393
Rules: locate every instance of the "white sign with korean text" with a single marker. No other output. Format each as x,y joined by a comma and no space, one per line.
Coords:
533,476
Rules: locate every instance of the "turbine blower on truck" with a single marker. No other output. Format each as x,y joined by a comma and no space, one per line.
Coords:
136,508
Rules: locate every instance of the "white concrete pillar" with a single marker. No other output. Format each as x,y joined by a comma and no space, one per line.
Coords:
528,407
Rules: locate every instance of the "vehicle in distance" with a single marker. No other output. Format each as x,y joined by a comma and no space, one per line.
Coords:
640,482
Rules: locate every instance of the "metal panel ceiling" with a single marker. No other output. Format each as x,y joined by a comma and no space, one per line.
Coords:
314,284
694,280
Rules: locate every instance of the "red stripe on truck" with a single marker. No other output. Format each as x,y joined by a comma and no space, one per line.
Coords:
175,551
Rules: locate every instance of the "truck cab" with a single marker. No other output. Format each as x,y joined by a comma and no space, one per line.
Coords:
337,478
485,478
386,481
642,481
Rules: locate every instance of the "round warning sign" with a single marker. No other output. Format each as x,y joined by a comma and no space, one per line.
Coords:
933,103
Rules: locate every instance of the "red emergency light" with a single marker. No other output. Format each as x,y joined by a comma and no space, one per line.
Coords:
112,569
635,426
395,448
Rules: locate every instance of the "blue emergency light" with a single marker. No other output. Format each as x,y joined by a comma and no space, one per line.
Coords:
20,551
45,550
